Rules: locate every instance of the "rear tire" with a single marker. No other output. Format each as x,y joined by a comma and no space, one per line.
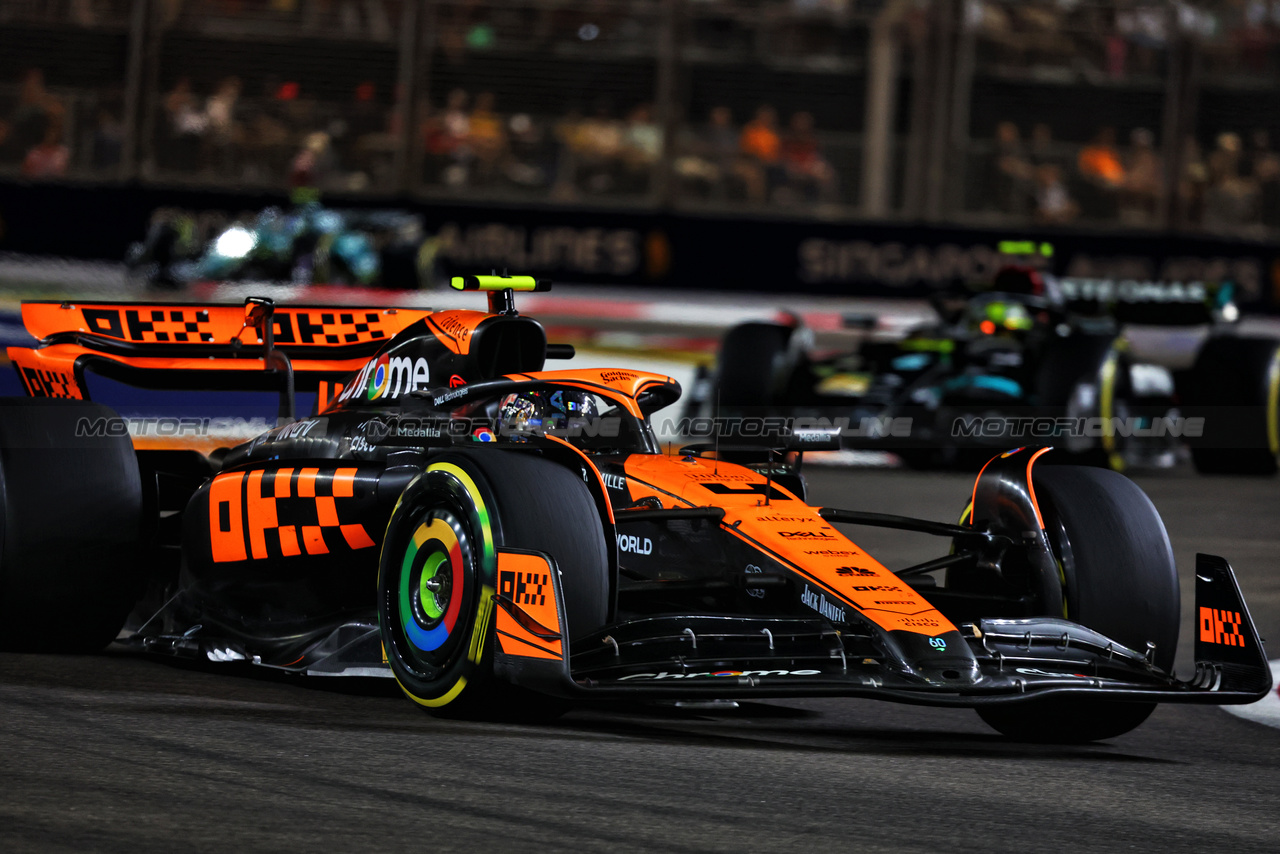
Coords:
1096,364
1118,572
754,365
1235,386
1068,362
461,510
72,513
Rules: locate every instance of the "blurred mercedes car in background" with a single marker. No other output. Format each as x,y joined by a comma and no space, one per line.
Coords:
1029,357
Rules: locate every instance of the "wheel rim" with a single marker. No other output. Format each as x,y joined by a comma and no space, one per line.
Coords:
435,589
1108,403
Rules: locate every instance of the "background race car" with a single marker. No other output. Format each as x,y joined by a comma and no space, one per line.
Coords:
1031,358
505,540
307,244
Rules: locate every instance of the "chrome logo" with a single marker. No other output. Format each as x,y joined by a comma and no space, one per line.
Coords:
380,379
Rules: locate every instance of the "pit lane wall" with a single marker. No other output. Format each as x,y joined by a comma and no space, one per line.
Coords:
666,249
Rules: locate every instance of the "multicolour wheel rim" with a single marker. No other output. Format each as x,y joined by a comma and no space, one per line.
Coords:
435,577
437,580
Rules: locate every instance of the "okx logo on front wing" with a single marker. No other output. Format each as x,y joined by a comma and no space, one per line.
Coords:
1221,627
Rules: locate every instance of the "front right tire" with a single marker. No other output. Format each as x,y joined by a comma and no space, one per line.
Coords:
1119,578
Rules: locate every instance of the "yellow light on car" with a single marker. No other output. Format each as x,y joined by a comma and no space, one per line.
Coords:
498,283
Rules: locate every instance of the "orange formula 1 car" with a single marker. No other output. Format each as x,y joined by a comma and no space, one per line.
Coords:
504,540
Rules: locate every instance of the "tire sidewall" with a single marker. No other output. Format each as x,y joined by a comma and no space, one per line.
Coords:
1235,385
72,526
1118,574
1114,556
448,485
754,363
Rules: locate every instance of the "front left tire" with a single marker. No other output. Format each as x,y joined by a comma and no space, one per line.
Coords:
437,574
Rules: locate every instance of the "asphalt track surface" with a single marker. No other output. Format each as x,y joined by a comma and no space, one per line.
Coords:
116,752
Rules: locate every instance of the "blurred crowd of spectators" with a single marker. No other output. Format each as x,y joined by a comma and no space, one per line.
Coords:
1120,39
801,28
238,127
37,126
468,143
1231,186
79,13
277,136
759,162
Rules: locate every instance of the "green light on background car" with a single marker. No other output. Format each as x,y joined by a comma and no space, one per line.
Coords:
928,345
1016,247
1025,247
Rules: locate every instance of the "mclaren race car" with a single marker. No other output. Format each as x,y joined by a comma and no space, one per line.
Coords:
1031,358
505,540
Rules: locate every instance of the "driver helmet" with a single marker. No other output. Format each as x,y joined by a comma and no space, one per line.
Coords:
1001,317
1028,281
540,411
1019,279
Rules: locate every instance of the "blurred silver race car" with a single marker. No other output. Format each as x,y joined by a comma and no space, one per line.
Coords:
1032,358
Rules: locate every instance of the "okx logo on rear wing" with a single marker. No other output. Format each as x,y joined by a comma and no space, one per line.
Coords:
185,345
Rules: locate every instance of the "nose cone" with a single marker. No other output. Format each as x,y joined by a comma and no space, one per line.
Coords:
943,660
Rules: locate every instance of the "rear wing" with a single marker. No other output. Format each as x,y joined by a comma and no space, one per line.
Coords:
250,347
